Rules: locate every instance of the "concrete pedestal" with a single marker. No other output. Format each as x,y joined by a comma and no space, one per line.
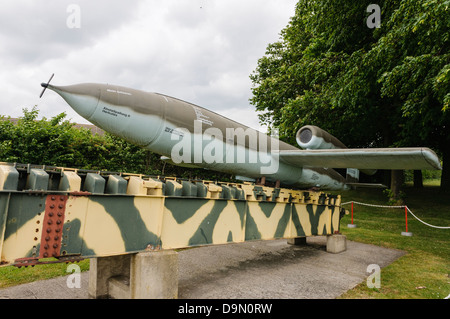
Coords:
298,241
102,269
146,275
406,233
336,243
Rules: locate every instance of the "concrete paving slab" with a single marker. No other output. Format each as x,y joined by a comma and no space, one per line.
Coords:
257,269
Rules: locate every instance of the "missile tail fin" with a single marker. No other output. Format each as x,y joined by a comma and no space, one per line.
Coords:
352,175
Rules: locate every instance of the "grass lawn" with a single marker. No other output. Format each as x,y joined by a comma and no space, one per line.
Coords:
422,273
12,276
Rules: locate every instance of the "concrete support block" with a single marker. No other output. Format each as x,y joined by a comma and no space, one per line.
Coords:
154,275
406,233
146,275
102,269
336,243
119,287
298,241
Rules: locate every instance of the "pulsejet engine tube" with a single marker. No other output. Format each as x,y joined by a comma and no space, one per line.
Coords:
312,137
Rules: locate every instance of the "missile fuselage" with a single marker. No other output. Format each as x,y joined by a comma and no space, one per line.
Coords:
190,135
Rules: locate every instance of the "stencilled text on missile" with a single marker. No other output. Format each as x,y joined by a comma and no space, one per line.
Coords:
114,112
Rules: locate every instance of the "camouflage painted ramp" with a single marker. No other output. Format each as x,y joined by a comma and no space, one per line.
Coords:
49,212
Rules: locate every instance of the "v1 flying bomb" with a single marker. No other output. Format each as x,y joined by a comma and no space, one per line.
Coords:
189,135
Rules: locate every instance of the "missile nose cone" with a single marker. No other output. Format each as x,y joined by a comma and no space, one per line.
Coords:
83,98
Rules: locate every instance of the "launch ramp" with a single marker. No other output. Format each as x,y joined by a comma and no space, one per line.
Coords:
54,214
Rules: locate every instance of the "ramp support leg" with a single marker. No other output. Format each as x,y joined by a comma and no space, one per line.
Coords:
146,275
297,241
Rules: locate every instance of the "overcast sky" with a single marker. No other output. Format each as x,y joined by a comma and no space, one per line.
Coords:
201,51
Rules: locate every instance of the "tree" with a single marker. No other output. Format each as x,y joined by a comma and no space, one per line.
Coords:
418,44
369,87
33,141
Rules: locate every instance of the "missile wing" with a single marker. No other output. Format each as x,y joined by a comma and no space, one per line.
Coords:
325,150
369,158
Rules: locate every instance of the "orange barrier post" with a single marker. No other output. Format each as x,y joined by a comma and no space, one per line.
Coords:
351,225
406,233
352,212
406,218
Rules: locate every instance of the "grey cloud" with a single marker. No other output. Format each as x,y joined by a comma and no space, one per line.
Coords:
32,32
